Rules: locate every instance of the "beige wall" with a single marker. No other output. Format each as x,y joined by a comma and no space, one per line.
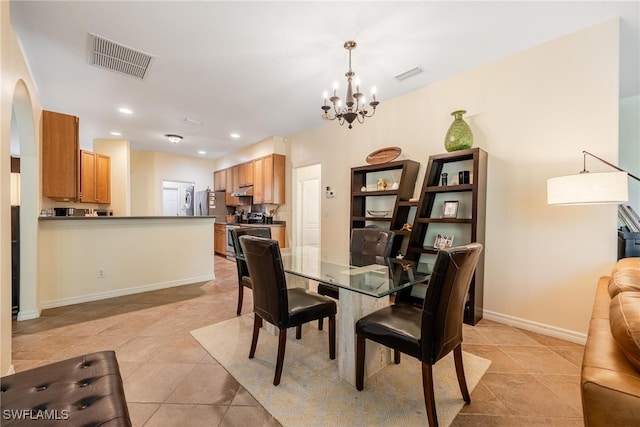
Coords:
118,151
18,90
533,112
150,169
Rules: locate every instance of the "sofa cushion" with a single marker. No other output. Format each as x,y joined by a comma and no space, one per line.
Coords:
624,320
624,280
632,262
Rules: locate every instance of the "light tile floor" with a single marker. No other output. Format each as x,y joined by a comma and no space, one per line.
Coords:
170,380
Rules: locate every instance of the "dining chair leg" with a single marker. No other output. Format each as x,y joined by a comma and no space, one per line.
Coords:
360,353
429,398
396,356
298,332
257,324
332,337
457,357
240,297
320,321
282,342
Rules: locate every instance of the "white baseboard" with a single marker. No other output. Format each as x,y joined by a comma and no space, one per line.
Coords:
540,328
121,292
11,371
28,315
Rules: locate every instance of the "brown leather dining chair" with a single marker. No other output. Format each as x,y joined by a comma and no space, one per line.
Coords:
367,246
244,280
428,333
278,305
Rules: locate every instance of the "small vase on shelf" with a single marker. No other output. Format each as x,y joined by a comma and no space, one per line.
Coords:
459,136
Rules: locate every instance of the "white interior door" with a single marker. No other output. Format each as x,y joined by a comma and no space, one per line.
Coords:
307,205
310,219
170,202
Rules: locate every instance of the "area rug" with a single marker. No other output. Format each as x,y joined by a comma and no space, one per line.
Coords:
312,394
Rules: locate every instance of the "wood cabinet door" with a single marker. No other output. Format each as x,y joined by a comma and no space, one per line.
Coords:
278,180
229,186
268,179
279,234
219,180
248,173
59,156
220,239
258,181
87,177
103,178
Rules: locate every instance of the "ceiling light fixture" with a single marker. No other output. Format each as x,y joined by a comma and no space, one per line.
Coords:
355,102
114,133
125,110
235,135
174,138
202,152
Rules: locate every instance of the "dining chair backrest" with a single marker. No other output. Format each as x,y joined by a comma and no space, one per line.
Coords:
264,232
264,261
444,302
371,244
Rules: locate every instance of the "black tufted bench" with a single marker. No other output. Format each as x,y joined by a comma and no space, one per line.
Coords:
82,391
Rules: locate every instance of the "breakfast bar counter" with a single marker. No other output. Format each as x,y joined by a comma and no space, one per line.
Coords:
90,258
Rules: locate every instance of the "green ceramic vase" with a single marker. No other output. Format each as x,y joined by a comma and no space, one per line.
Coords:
459,136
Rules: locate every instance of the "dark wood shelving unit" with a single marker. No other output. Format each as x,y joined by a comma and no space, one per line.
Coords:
468,227
404,173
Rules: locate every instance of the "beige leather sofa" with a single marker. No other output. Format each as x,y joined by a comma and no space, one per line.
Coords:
610,383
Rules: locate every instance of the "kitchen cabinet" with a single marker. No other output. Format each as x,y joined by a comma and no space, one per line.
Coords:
389,207
269,179
245,174
95,178
464,224
220,239
258,181
219,180
279,234
60,150
230,200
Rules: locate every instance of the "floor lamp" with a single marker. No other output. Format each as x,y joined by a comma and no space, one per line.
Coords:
588,188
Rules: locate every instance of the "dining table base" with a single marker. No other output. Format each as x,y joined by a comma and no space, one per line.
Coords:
354,306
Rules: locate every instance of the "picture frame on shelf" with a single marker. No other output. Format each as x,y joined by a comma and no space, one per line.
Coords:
443,241
450,209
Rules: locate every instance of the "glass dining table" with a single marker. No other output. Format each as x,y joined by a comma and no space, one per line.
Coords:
364,285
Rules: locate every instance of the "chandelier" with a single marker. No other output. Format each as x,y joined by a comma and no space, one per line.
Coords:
355,107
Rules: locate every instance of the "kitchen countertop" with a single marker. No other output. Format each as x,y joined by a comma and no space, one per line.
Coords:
245,224
99,218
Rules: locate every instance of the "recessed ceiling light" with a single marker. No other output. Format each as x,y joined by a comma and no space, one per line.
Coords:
125,110
235,135
114,133
202,152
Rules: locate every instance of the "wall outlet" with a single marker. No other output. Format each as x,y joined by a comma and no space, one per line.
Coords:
101,274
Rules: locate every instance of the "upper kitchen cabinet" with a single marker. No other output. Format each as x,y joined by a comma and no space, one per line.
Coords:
268,179
60,148
219,180
95,178
245,174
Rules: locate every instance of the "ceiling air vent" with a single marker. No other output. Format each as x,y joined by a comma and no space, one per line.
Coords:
410,73
113,56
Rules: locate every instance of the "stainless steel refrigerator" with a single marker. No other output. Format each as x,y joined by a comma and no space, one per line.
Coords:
210,203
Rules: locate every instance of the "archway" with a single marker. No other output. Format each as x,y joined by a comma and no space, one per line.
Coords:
24,125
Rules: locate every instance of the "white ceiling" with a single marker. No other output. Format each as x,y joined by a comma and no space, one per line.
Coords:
260,68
